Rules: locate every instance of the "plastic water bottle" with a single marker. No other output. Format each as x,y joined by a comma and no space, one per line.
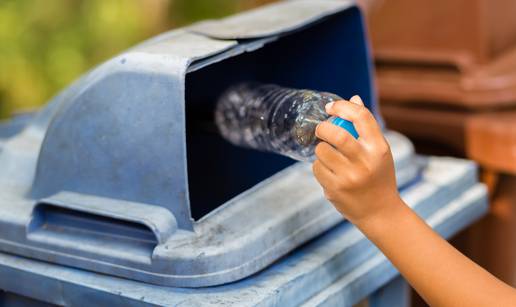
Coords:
271,118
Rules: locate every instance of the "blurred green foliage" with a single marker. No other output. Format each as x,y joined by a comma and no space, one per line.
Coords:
45,44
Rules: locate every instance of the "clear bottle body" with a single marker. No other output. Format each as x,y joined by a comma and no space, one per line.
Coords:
271,118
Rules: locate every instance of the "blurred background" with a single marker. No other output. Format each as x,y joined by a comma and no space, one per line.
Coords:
45,45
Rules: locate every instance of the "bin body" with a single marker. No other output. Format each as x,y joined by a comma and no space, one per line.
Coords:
339,268
122,174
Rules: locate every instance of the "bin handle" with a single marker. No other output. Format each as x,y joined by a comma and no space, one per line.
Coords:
72,221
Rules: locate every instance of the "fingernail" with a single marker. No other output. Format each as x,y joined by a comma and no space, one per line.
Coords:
328,106
357,100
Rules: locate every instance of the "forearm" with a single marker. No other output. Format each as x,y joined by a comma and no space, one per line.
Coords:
355,174
440,273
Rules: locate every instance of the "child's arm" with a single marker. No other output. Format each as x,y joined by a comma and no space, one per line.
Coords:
358,178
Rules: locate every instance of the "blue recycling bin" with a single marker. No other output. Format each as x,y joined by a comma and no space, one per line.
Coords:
339,268
122,177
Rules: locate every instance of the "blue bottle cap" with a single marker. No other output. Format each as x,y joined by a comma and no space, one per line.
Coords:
346,124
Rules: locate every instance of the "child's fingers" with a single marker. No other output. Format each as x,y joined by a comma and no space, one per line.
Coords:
331,158
340,139
361,117
324,176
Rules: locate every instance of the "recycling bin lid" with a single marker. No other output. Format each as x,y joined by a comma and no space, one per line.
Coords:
122,174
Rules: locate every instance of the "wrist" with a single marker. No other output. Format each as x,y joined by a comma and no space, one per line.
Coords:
393,211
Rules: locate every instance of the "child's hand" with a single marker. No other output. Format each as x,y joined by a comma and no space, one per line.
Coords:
357,175
358,178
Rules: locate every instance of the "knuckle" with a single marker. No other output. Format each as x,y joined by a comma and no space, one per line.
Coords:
341,139
319,149
339,107
315,167
368,171
324,125
384,148
318,129
322,129
342,185
355,181
329,195
362,112
339,103
352,182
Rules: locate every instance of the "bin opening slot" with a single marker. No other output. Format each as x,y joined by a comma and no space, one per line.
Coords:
90,231
328,56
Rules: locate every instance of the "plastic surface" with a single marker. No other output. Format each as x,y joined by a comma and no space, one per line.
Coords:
271,118
339,268
346,125
114,175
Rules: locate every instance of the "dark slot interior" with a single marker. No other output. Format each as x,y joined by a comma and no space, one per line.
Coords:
57,219
320,57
